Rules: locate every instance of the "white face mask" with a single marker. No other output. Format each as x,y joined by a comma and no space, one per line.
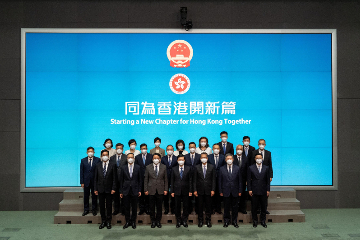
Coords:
90,154
130,160
119,151
216,151
261,146
259,161
203,144
157,144
239,152
180,147
105,158
156,161
229,162
108,145
170,152
204,160
132,146
144,151
181,163
192,150
224,139
246,143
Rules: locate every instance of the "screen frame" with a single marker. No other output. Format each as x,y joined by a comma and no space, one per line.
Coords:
333,33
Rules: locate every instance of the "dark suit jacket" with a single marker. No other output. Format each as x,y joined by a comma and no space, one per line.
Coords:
221,162
196,161
251,149
87,172
153,183
134,183
267,161
229,148
139,161
258,183
123,161
202,185
164,160
243,168
230,183
181,186
105,184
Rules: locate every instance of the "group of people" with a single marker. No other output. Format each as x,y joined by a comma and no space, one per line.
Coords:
203,177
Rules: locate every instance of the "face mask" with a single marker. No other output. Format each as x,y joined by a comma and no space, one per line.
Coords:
258,161
181,163
229,162
130,160
170,152
261,146
132,146
108,145
216,151
119,151
203,144
156,161
157,144
105,158
224,139
180,147
239,152
204,160
144,151
90,154
192,150
246,143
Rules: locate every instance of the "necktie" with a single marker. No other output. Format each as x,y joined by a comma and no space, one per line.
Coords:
144,159
104,170
216,161
118,161
246,151
192,159
239,161
262,153
131,171
181,172
224,148
204,172
169,161
230,170
90,162
259,169
156,170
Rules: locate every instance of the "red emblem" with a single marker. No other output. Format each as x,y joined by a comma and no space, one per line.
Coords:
179,53
179,83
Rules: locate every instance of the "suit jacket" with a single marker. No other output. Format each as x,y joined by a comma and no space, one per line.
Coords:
251,149
105,184
87,172
165,161
181,186
266,161
229,148
220,163
123,160
139,161
230,183
161,152
258,183
202,185
243,168
128,183
196,161
153,183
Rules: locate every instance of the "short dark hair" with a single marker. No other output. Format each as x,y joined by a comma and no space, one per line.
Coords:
131,141
102,151
262,140
245,137
258,154
143,144
180,155
130,153
156,139
157,154
229,154
223,132
108,139
207,142
90,148
170,146
119,144
216,145
179,141
192,143
203,153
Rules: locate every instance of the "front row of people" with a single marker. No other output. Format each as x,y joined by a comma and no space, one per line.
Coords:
201,180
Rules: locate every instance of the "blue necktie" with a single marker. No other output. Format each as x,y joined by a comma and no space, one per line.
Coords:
118,161
246,151
104,170
144,159
169,161
224,148
156,170
130,171
204,172
192,159
181,173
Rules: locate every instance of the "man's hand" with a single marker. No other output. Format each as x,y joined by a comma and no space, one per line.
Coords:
147,193
270,179
221,194
139,194
173,194
165,193
267,193
212,193
112,191
96,193
82,185
250,193
239,194
195,193
121,195
190,194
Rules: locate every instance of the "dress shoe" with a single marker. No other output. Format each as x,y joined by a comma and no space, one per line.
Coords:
235,225
153,225
267,212
85,213
126,225
208,224
200,224
263,224
185,224
108,225
158,225
141,212
133,225
255,224
94,212
166,212
102,225
226,225
243,212
178,224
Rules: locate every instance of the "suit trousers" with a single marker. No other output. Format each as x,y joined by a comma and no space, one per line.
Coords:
185,199
216,199
117,203
204,200
143,201
93,198
230,202
130,202
242,201
193,204
105,202
169,203
255,202
156,200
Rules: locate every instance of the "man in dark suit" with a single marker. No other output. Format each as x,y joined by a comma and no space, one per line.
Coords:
225,146
192,159
204,188
169,161
156,186
104,186
230,187
87,174
130,189
217,160
181,189
247,148
119,159
241,160
143,160
258,180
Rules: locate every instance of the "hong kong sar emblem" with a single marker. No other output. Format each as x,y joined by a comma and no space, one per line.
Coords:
179,53
179,83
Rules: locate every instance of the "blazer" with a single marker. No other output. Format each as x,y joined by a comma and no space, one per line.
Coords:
153,183
267,161
243,168
165,161
139,161
128,183
87,172
161,152
123,160
251,149
230,183
220,163
202,185
196,161
105,184
258,183
181,186
229,148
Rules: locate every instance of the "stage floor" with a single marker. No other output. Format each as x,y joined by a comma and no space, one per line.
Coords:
320,224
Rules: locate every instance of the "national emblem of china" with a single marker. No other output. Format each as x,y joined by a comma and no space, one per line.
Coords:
179,53
179,83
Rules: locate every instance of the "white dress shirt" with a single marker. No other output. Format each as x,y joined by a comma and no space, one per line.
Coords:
259,167
92,160
105,164
131,168
239,157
